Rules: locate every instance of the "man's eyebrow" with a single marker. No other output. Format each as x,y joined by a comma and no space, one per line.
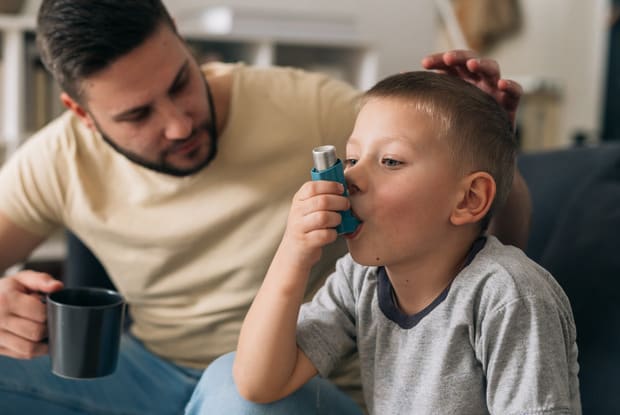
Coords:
136,110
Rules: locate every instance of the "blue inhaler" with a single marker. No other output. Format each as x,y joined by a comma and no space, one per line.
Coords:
328,167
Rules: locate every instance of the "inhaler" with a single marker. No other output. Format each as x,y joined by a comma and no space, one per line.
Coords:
329,167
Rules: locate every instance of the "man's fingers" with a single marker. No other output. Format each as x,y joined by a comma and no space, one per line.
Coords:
486,68
511,88
28,306
26,329
38,281
20,348
446,60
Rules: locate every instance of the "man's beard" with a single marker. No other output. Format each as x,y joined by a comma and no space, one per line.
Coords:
161,165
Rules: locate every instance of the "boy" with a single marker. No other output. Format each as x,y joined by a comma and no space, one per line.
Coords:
445,319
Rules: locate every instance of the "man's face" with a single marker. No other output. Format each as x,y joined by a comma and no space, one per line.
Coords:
403,184
151,105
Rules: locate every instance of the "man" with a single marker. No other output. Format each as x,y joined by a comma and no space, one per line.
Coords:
179,179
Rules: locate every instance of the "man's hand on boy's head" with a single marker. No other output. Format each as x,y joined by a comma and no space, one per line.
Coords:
484,73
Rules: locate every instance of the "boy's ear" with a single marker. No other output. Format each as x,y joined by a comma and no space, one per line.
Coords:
476,196
77,109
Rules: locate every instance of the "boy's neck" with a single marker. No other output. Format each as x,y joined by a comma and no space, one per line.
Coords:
417,286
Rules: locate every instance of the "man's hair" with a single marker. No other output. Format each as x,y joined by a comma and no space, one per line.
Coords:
78,38
478,129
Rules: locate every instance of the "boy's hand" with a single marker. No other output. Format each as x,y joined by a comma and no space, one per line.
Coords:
483,73
314,214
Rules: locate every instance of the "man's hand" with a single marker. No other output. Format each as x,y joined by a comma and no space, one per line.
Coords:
484,73
23,319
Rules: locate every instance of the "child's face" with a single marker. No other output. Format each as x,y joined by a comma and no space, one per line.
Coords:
402,182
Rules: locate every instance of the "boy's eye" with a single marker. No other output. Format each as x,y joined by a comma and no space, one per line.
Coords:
350,162
391,162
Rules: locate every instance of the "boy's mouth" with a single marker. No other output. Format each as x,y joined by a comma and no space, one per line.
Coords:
357,229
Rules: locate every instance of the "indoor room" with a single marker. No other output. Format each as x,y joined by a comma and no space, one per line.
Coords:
564,54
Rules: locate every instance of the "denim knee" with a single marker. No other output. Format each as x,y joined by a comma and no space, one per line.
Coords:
216,393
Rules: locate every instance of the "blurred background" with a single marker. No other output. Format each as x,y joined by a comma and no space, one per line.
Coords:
563,52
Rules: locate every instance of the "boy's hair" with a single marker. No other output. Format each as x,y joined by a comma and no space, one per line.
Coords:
479,129
78,38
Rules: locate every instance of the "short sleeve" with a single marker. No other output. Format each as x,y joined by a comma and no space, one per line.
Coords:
338,106
31,190
528,352
326,329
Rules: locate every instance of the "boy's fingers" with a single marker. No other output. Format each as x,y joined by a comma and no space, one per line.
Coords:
318,187
447,60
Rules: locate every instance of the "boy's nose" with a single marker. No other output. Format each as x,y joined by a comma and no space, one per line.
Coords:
352,188
352,178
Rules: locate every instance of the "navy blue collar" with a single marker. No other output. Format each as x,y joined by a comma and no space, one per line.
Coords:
387,302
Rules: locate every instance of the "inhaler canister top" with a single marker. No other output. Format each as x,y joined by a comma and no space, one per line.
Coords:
324,157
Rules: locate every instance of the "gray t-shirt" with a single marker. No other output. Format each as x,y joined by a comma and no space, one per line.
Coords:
500,339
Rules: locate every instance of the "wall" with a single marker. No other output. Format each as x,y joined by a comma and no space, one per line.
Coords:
566,40
563,41
402,31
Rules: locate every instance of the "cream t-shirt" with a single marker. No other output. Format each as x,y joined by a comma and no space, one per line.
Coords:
188,253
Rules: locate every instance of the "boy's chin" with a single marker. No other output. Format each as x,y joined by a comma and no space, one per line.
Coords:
365,260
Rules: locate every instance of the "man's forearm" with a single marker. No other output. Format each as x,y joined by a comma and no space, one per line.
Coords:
511,224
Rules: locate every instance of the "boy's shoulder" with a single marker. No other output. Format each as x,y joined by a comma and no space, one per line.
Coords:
501,274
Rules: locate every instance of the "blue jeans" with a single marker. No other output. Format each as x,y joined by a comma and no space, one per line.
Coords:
216,393
146,384
141,384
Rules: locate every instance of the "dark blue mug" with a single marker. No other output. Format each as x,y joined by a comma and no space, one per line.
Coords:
84,328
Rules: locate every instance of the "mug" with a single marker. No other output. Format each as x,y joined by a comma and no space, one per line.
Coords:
84,331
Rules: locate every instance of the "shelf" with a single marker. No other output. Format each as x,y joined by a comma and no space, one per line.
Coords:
17,22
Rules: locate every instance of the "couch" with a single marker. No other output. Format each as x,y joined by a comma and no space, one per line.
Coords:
574,234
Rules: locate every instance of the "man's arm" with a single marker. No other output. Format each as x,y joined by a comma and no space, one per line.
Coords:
22,314
511,224
16,243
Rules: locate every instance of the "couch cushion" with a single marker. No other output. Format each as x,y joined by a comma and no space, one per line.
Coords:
576,222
